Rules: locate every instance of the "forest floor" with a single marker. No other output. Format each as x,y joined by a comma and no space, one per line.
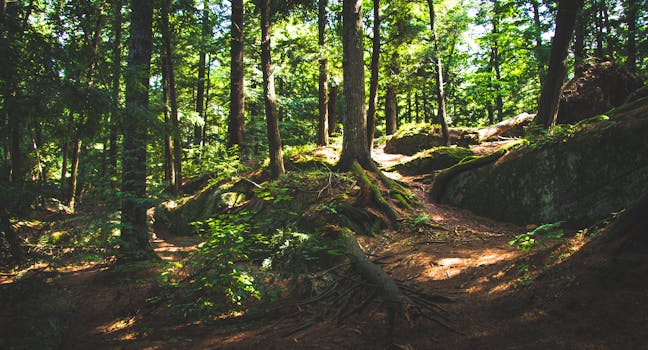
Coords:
563,294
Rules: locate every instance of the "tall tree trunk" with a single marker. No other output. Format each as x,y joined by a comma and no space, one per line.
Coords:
236,122
390,110
537,32
134,234
579,42
373,82
631,8
323,127
64,165
600,36
391,102
74,173
354,141
439,78
172,145
76,151
409,106
332,116
272,116
495,61
207,100
200,89
550,94
116,83
416,107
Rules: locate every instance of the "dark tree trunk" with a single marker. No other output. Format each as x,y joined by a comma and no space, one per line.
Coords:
272,116
409,106
390,110
76,154
200,89
207,100
495,61
354,141
64,165
373,82
332,117
579,42
236,122
416,107
117,69
76,151
426,109
550,94
439,78
134,234
391,102
172,146
600,36
631,8
323,126
537,32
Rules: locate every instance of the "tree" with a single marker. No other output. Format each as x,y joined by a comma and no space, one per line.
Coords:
550,94
322,133
172,145
116,83
391,103
270,98
631,8
354,140
200,89
134,236
441,100
236,123
373,82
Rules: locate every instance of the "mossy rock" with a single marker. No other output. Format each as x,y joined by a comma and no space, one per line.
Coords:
579,179
176,216
412,139
431,160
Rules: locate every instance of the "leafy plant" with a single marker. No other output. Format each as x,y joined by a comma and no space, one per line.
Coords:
527,241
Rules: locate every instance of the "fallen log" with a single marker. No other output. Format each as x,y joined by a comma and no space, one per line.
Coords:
497,129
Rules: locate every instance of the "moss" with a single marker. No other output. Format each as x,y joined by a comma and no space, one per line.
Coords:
431,160
415,138
577,178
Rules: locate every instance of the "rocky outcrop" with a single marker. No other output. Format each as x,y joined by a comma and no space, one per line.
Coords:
601,87
577,178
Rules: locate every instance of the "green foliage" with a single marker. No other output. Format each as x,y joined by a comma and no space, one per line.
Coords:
527,241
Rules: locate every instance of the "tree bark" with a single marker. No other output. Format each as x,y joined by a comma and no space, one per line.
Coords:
272,116
172,145
495,61
416,107
236,122
200,89
332,103
537,32
373,82
323,127
64,165
439,77
550,94
116,78
134,234
354,141
579,42
631,8
390,110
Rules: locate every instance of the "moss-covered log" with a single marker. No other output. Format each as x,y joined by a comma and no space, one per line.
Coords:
434,159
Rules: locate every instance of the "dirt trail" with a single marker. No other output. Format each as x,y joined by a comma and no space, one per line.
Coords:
504,298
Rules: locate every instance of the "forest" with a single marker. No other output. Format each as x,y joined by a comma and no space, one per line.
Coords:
330,174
